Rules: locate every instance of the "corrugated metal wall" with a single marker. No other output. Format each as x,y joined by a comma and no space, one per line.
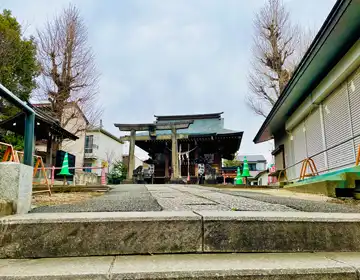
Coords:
298,136
314,138
354,96
338,128
337,119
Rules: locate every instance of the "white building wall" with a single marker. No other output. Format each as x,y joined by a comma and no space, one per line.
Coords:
138,162
76,126
108,150
263,179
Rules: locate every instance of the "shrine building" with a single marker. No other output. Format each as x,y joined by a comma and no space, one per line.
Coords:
177,143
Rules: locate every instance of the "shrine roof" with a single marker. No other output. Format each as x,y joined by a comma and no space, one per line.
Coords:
199,127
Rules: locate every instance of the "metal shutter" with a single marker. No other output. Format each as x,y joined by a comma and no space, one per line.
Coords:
314,139
289,159
338,128
354,95
299,145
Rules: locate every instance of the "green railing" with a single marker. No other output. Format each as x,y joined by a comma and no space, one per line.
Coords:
29,123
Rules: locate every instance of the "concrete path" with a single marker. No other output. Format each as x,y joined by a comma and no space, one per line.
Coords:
127,198
178,197
299,266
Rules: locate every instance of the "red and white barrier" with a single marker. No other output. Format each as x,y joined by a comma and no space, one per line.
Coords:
103,172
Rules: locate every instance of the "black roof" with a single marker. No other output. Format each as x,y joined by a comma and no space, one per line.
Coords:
44,123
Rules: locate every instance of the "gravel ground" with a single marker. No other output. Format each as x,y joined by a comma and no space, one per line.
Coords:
125,198
296,204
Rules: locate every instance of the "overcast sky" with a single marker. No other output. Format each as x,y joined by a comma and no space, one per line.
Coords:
172,56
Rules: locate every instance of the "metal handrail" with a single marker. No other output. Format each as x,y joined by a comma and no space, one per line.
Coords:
327,149
29,123
322,152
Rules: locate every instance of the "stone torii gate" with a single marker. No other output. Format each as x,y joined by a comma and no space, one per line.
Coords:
152,127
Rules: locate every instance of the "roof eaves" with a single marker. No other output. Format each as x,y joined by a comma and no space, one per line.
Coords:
105,132
192,116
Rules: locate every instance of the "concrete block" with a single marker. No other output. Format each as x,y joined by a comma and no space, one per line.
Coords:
297,266
280,232
40,235
16,185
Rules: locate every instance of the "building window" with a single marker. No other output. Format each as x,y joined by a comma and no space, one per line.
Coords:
87,164
252,166
89,143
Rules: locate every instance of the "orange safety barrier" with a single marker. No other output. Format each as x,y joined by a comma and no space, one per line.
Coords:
10,154
358,157
308,162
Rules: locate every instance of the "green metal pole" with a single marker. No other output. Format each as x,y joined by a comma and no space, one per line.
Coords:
29,139
29,123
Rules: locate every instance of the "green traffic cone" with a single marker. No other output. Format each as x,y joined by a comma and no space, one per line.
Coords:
238,179
65,166
246,172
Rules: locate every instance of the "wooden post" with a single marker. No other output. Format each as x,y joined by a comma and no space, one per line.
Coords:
49,151
174,154
131,154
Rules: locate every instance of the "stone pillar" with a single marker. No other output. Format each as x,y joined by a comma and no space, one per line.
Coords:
166,153
16,185
174,154
131,154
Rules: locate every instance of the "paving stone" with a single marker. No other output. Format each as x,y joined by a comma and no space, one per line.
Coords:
230,201
86,234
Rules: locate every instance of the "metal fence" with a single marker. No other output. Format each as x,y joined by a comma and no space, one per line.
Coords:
324,164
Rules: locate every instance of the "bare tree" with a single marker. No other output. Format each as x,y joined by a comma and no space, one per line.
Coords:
278,46
69,77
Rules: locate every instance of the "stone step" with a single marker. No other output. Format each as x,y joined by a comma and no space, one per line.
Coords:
42,235
265,266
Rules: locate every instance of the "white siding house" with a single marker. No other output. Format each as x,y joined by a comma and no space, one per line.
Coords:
101,147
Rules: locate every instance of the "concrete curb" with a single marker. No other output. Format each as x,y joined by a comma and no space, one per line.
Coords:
280,232
304,266
41,235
